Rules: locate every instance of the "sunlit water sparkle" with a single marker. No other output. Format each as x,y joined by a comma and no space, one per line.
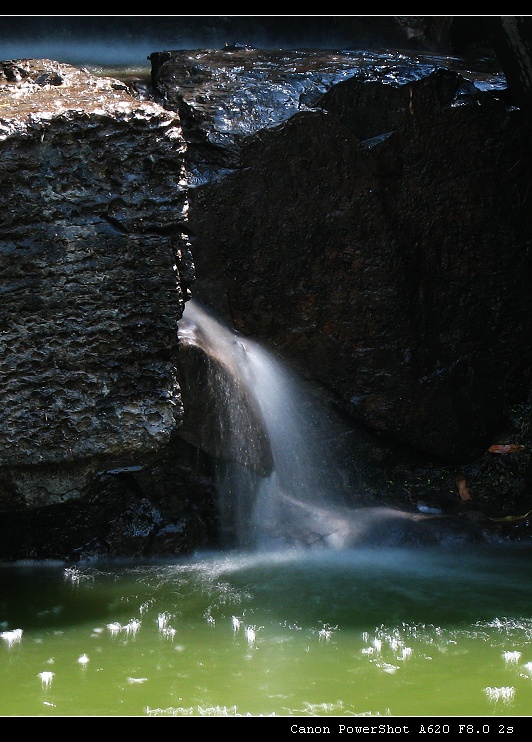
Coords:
353,632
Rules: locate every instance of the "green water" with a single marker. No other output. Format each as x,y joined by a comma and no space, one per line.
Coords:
342,633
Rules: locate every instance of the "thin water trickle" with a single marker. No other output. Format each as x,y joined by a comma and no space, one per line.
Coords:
266,398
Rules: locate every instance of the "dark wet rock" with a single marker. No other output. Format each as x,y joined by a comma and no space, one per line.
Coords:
511,37
95,272
377,235
157,510
225,96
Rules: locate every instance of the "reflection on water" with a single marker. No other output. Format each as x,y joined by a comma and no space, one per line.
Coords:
333,633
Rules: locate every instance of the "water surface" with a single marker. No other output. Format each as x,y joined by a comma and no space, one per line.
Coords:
347,633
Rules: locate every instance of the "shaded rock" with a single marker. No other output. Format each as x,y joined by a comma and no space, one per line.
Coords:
379,240
511,37
157,510
316,228
225,96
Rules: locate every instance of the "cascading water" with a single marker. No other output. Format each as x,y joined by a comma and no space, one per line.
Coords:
264,410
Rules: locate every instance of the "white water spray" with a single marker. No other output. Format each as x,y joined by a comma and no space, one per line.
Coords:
264,399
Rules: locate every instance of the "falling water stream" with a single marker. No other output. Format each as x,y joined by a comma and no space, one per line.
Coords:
273,404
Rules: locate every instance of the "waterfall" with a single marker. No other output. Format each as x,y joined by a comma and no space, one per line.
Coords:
272,434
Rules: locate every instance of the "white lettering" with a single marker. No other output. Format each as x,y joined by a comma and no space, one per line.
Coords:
309,730
373,729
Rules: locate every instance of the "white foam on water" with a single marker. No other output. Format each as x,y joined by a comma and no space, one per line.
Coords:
168,632
46,678
12,637
132,627
162,620
251,635
512,657
504,694
114,628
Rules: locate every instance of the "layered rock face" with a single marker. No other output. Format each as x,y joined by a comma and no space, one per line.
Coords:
95,271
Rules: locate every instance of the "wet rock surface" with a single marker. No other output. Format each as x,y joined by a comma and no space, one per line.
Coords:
351,232
225,96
